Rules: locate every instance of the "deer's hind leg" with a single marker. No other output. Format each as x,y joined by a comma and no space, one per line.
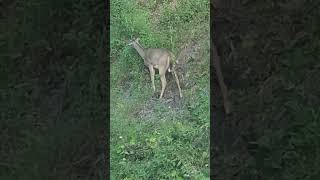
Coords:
162,73
177,81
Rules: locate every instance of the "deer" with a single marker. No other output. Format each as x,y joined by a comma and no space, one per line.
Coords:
157,58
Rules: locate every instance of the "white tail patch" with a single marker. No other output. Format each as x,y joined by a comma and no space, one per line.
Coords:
168,61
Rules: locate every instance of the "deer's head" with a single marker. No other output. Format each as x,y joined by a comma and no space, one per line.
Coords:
133,41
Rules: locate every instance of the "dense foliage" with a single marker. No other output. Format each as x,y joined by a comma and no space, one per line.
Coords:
271,64
51,90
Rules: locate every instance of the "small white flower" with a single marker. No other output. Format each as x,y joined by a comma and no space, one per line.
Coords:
120,137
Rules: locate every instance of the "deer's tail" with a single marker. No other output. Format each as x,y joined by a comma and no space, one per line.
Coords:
172,62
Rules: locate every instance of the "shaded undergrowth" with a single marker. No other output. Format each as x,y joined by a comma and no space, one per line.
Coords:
271,53
52,89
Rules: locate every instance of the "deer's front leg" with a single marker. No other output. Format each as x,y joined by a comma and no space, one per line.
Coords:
152,77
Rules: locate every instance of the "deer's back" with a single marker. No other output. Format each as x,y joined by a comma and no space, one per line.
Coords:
157,56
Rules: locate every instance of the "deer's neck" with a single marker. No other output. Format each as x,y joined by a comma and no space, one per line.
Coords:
140,50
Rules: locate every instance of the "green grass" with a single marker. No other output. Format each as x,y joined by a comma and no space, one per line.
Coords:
153,139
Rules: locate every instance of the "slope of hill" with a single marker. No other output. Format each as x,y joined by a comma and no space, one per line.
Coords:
166,138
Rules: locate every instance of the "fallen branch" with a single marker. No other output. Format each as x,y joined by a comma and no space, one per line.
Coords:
223,87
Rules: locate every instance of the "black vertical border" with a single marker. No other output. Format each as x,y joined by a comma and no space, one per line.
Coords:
107,61
211,92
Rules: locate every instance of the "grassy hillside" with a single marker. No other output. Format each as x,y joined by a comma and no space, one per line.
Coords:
152,138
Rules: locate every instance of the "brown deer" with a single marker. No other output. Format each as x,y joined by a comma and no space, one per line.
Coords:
160,59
